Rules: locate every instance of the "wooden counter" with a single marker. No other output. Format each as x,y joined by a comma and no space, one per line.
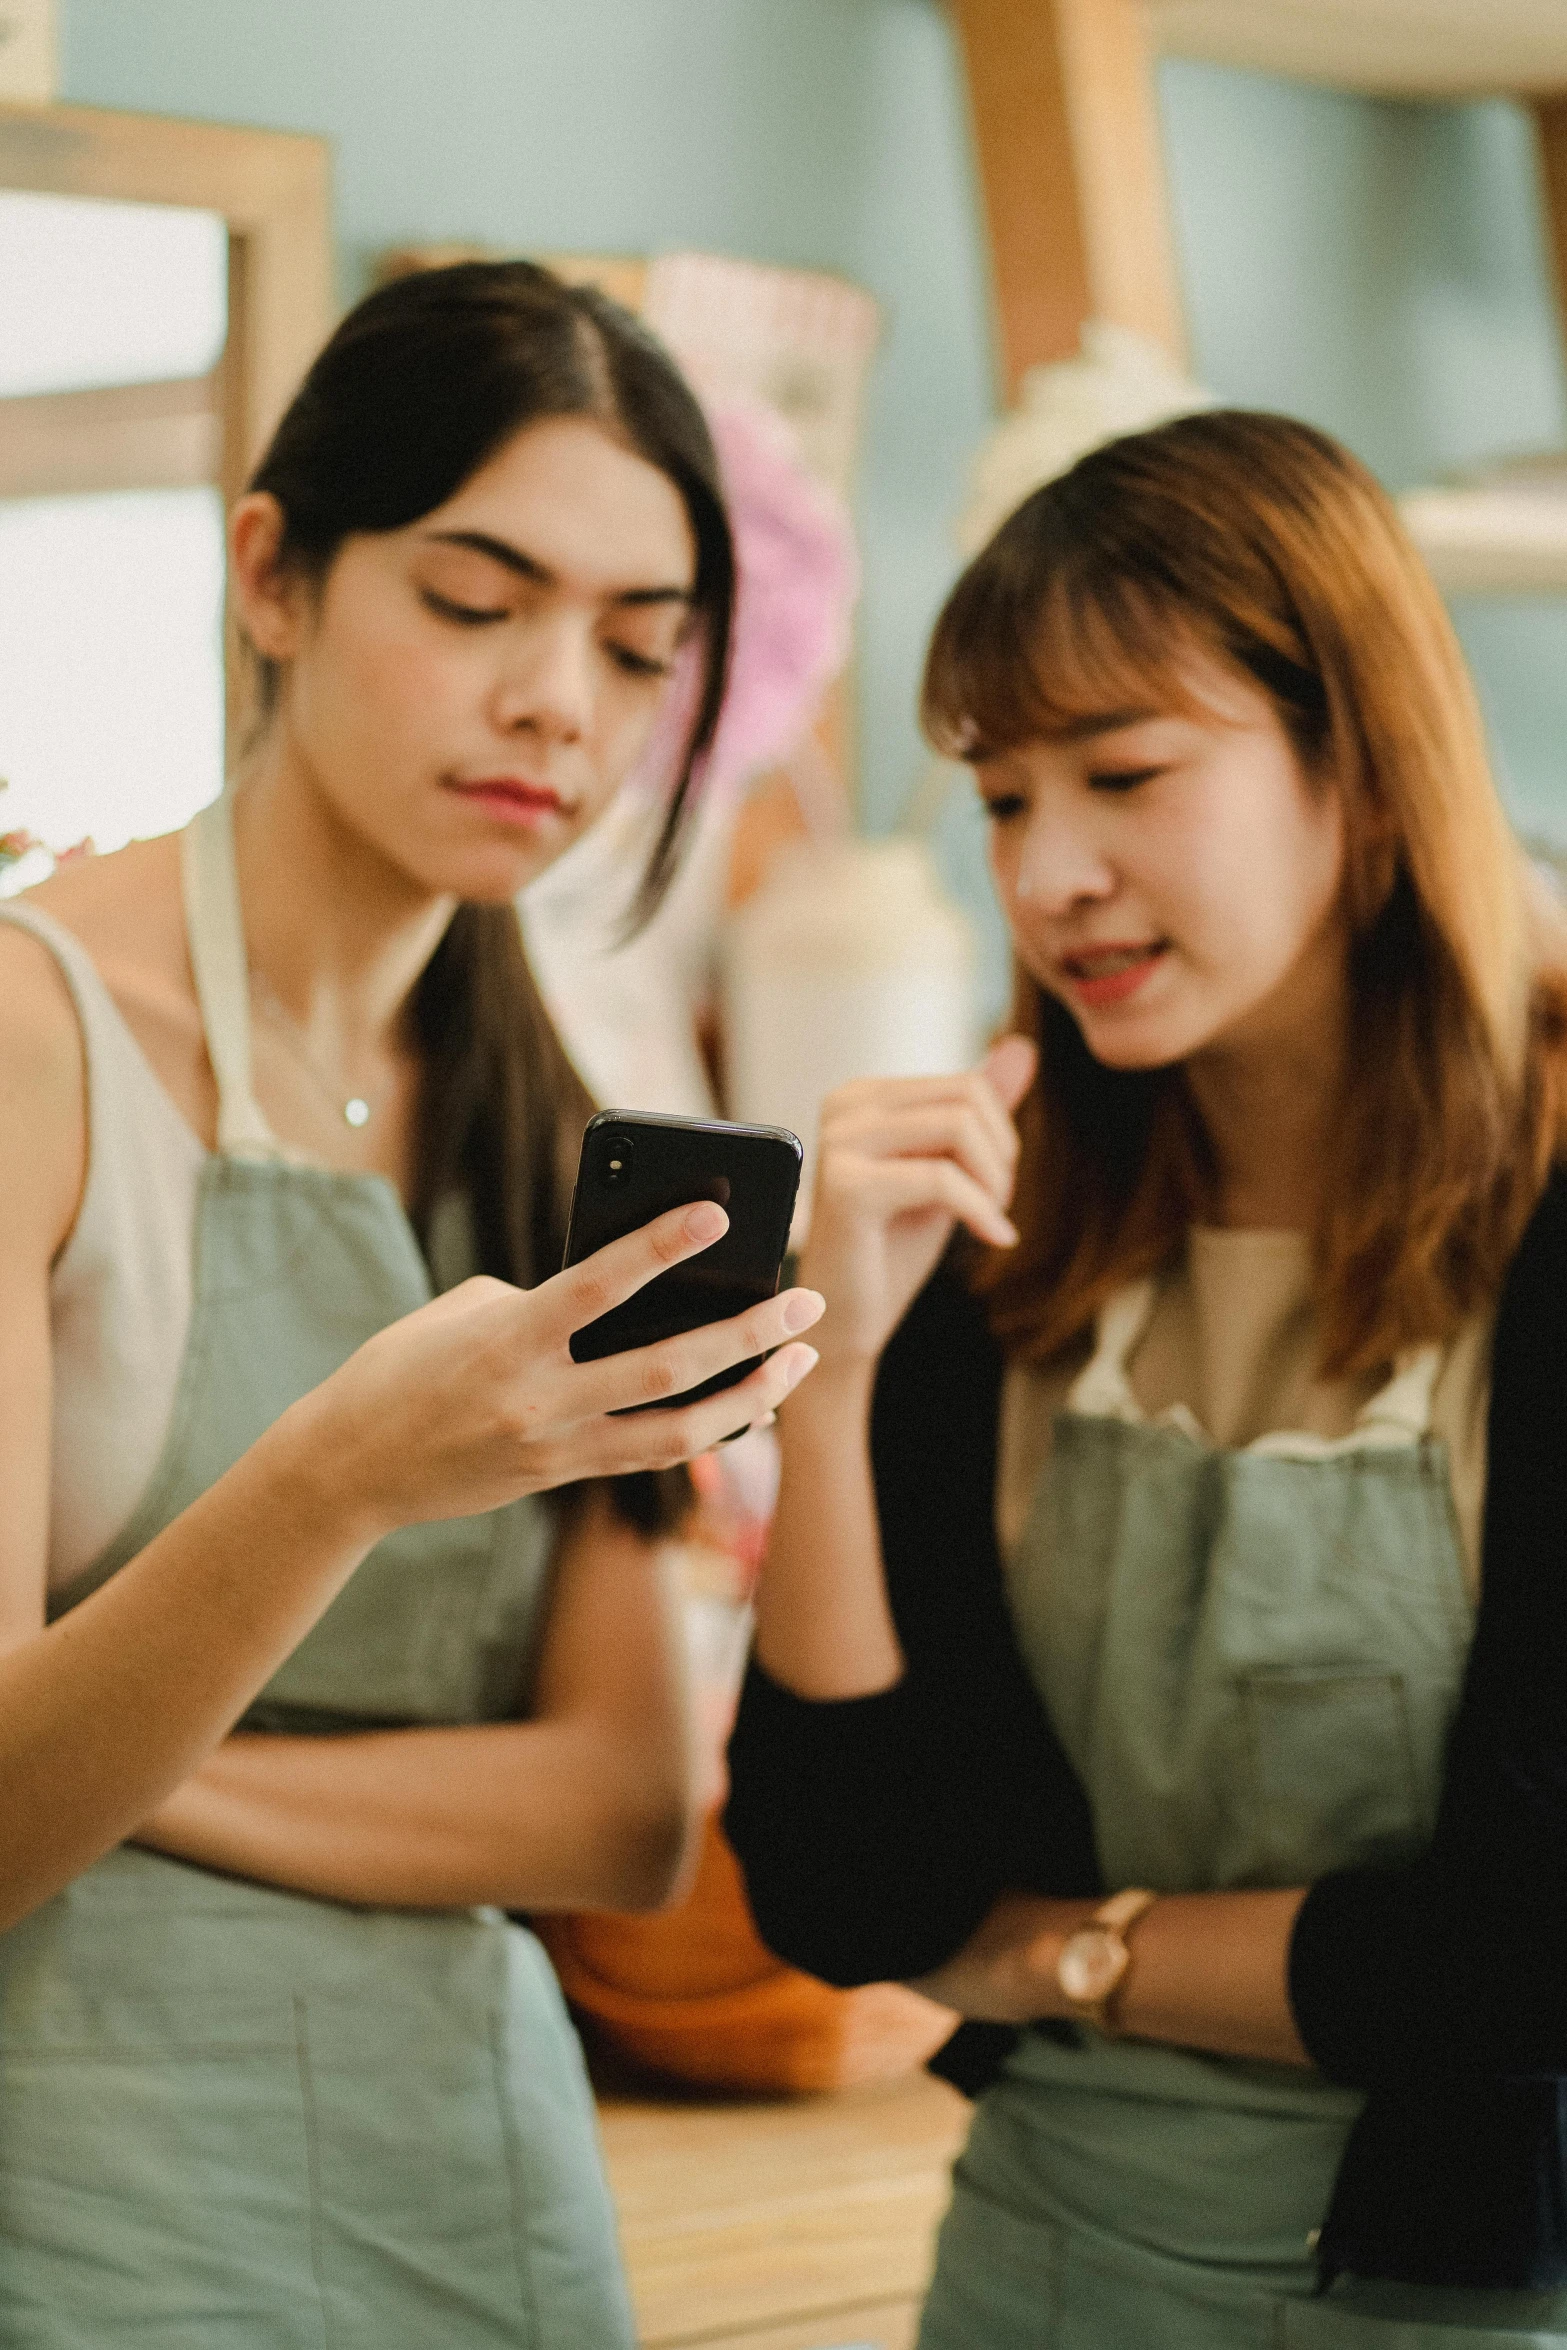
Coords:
798,2225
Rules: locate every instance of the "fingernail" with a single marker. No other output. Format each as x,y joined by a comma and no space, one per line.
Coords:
806,1359
1007,1234
802,1307
706,1220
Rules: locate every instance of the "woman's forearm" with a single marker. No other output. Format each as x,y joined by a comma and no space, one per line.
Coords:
1208,1971
589,1804
824,1628
532,1815
106,1711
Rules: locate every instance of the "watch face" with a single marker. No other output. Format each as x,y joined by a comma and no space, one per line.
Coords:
1091,1965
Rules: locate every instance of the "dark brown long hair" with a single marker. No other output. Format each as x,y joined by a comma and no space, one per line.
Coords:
1261,543
419,386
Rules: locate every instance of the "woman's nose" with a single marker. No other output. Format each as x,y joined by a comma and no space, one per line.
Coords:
547,685
1061,863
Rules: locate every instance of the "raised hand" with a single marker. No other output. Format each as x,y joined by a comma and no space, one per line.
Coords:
902,1161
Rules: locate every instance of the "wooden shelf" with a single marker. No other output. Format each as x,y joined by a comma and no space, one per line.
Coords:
1502,538
1396,48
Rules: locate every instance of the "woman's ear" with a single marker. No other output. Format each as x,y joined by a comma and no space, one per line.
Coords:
268,599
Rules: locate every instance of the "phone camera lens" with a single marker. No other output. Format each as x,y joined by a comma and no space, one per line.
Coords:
617,1159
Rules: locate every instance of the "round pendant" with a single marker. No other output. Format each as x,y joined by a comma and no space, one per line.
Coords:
357,1111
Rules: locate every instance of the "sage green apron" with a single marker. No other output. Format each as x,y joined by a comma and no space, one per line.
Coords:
235,2118
1252,1658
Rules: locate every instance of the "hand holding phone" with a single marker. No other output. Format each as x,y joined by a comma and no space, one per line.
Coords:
635,1165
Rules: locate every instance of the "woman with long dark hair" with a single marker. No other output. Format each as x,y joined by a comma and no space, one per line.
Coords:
292,1439
1118,1647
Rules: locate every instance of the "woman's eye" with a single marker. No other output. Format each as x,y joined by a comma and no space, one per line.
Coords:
465,615
637,664
1121,778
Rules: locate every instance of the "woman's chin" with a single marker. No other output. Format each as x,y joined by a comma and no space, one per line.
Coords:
1132,1043
488,874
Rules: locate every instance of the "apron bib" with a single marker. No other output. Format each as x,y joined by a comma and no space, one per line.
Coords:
1253,1658
237,2118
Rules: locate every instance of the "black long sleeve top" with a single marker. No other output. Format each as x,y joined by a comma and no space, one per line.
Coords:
876,1832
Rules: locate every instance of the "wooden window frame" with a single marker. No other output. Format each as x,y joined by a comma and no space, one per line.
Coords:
273,189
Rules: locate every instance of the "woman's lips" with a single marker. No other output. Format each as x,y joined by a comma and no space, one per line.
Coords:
511,800
1101,976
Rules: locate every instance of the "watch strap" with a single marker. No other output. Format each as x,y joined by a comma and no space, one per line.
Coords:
1123,1909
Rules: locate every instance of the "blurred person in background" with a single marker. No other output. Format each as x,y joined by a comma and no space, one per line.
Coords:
1187,1530
292,1437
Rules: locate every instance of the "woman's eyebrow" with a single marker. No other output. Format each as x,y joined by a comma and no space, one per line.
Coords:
527,567
1083,730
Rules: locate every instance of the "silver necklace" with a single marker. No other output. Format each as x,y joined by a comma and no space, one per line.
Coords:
357,1110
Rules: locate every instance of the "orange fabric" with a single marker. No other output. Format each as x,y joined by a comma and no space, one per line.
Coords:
694,1992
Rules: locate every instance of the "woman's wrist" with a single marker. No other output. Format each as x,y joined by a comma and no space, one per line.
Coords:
841,1383
830,1422
308,1464
1007,1972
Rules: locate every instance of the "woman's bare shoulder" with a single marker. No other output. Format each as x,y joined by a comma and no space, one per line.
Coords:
124,907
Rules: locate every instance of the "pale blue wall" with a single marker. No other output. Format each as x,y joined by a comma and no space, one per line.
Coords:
1375,267
1380,269
828,133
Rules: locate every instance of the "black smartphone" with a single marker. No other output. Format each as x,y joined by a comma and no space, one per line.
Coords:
635,1165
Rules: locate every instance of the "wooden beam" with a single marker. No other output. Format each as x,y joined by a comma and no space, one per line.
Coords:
154,436
1071,167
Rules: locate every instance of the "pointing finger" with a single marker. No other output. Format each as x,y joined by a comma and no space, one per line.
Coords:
606,1279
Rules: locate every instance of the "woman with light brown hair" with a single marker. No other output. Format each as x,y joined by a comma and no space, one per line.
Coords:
1175,1513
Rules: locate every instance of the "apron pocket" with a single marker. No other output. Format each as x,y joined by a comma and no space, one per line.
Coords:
1333,1771
459,2197
155,2182
412,2178
1004,2282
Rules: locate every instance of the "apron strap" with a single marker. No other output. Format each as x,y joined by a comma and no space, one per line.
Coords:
1407,1403
1102,1390
215,930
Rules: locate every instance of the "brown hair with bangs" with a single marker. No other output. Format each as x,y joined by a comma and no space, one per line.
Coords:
1261,543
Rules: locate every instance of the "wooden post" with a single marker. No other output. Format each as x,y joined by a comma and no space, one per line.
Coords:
1550,118
1066,132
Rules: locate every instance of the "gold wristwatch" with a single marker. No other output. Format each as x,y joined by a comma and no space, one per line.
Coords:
1095,1958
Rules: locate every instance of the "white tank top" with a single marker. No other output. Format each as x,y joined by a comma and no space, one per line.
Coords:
120,1292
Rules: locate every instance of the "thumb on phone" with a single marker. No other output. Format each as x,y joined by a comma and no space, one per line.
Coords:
1009,1068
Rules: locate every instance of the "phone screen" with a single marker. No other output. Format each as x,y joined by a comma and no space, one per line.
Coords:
635,1166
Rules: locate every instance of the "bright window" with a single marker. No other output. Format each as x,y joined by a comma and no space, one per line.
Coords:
111,663
111,600
94,293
